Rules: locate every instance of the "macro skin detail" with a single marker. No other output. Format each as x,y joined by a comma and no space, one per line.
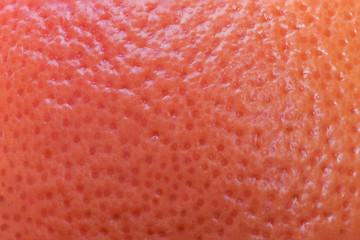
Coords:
231,120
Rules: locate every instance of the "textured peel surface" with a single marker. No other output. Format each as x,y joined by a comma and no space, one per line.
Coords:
179,120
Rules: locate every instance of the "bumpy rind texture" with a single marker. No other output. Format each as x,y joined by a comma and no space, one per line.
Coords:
179,120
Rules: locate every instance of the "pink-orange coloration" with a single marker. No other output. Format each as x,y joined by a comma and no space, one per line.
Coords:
187,119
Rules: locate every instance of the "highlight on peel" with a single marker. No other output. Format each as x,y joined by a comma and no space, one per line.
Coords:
179,120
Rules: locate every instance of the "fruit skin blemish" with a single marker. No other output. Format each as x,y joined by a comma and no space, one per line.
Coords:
179,120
